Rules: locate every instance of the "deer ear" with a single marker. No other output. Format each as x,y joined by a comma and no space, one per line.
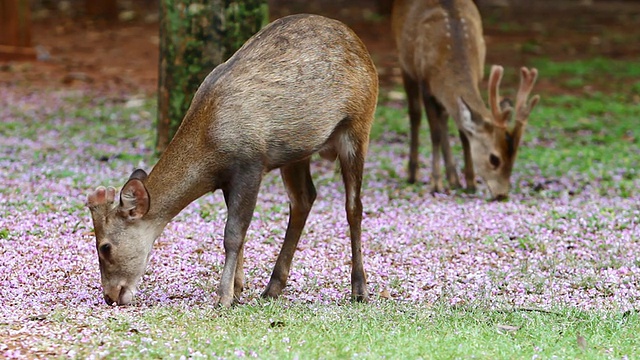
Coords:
138,174
134,199
469,124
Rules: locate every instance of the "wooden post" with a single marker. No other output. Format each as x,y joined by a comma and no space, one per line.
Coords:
106,9
196,36
15,30
385,6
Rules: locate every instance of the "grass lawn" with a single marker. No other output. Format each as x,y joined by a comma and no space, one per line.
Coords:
385,329
553,272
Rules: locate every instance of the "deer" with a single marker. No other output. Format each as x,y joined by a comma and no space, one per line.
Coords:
442,56
303,85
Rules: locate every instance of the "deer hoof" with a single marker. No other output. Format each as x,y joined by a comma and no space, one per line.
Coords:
360,298
225,302
272,291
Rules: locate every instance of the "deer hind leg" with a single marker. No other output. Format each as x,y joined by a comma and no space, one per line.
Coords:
241,200
302,193
469,174
351,155
415,116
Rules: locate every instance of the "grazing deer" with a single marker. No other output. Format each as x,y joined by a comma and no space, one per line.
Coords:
442,53
304,84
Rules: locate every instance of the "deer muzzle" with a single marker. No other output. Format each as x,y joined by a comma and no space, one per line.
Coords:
119,295
499,189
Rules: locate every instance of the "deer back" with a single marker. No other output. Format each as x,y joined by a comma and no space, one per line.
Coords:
284,92
441,43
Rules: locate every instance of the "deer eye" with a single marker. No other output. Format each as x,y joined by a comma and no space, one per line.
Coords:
105,249
494,160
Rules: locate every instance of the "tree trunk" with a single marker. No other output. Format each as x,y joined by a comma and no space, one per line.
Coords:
196,36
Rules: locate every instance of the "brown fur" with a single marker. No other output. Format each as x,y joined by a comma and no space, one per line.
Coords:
302,85
442,53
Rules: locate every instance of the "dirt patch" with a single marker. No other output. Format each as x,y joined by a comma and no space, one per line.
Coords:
122,56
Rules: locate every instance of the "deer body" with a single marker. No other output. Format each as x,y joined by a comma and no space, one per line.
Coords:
304,84
442,53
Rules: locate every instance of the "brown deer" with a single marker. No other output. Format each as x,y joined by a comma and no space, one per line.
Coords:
442,53
304,84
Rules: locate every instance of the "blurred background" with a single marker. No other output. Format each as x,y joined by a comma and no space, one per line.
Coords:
75,44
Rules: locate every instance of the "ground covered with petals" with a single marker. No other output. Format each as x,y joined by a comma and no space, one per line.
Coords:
567,238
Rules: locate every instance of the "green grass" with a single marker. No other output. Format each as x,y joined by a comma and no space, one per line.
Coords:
108,120
394,121
589,69
595,136
601,74
278,330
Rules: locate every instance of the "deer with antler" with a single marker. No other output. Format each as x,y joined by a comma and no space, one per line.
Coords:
442,54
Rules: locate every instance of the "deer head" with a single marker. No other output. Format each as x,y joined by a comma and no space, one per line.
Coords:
123,238
494,146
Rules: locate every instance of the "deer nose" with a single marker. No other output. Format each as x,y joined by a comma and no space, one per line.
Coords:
108,299
111,294
119,295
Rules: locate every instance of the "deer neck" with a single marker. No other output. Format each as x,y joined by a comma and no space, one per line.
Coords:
449,91
183,173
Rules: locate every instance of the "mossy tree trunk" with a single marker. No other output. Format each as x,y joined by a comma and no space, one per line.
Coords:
195,37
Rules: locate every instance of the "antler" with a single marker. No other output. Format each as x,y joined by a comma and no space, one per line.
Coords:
100,200
523,106
527,80
101,196
500,116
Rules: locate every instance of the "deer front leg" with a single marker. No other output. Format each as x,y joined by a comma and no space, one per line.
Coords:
433,110
238,280
415,116
241,200
449,163
469,174
299,185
